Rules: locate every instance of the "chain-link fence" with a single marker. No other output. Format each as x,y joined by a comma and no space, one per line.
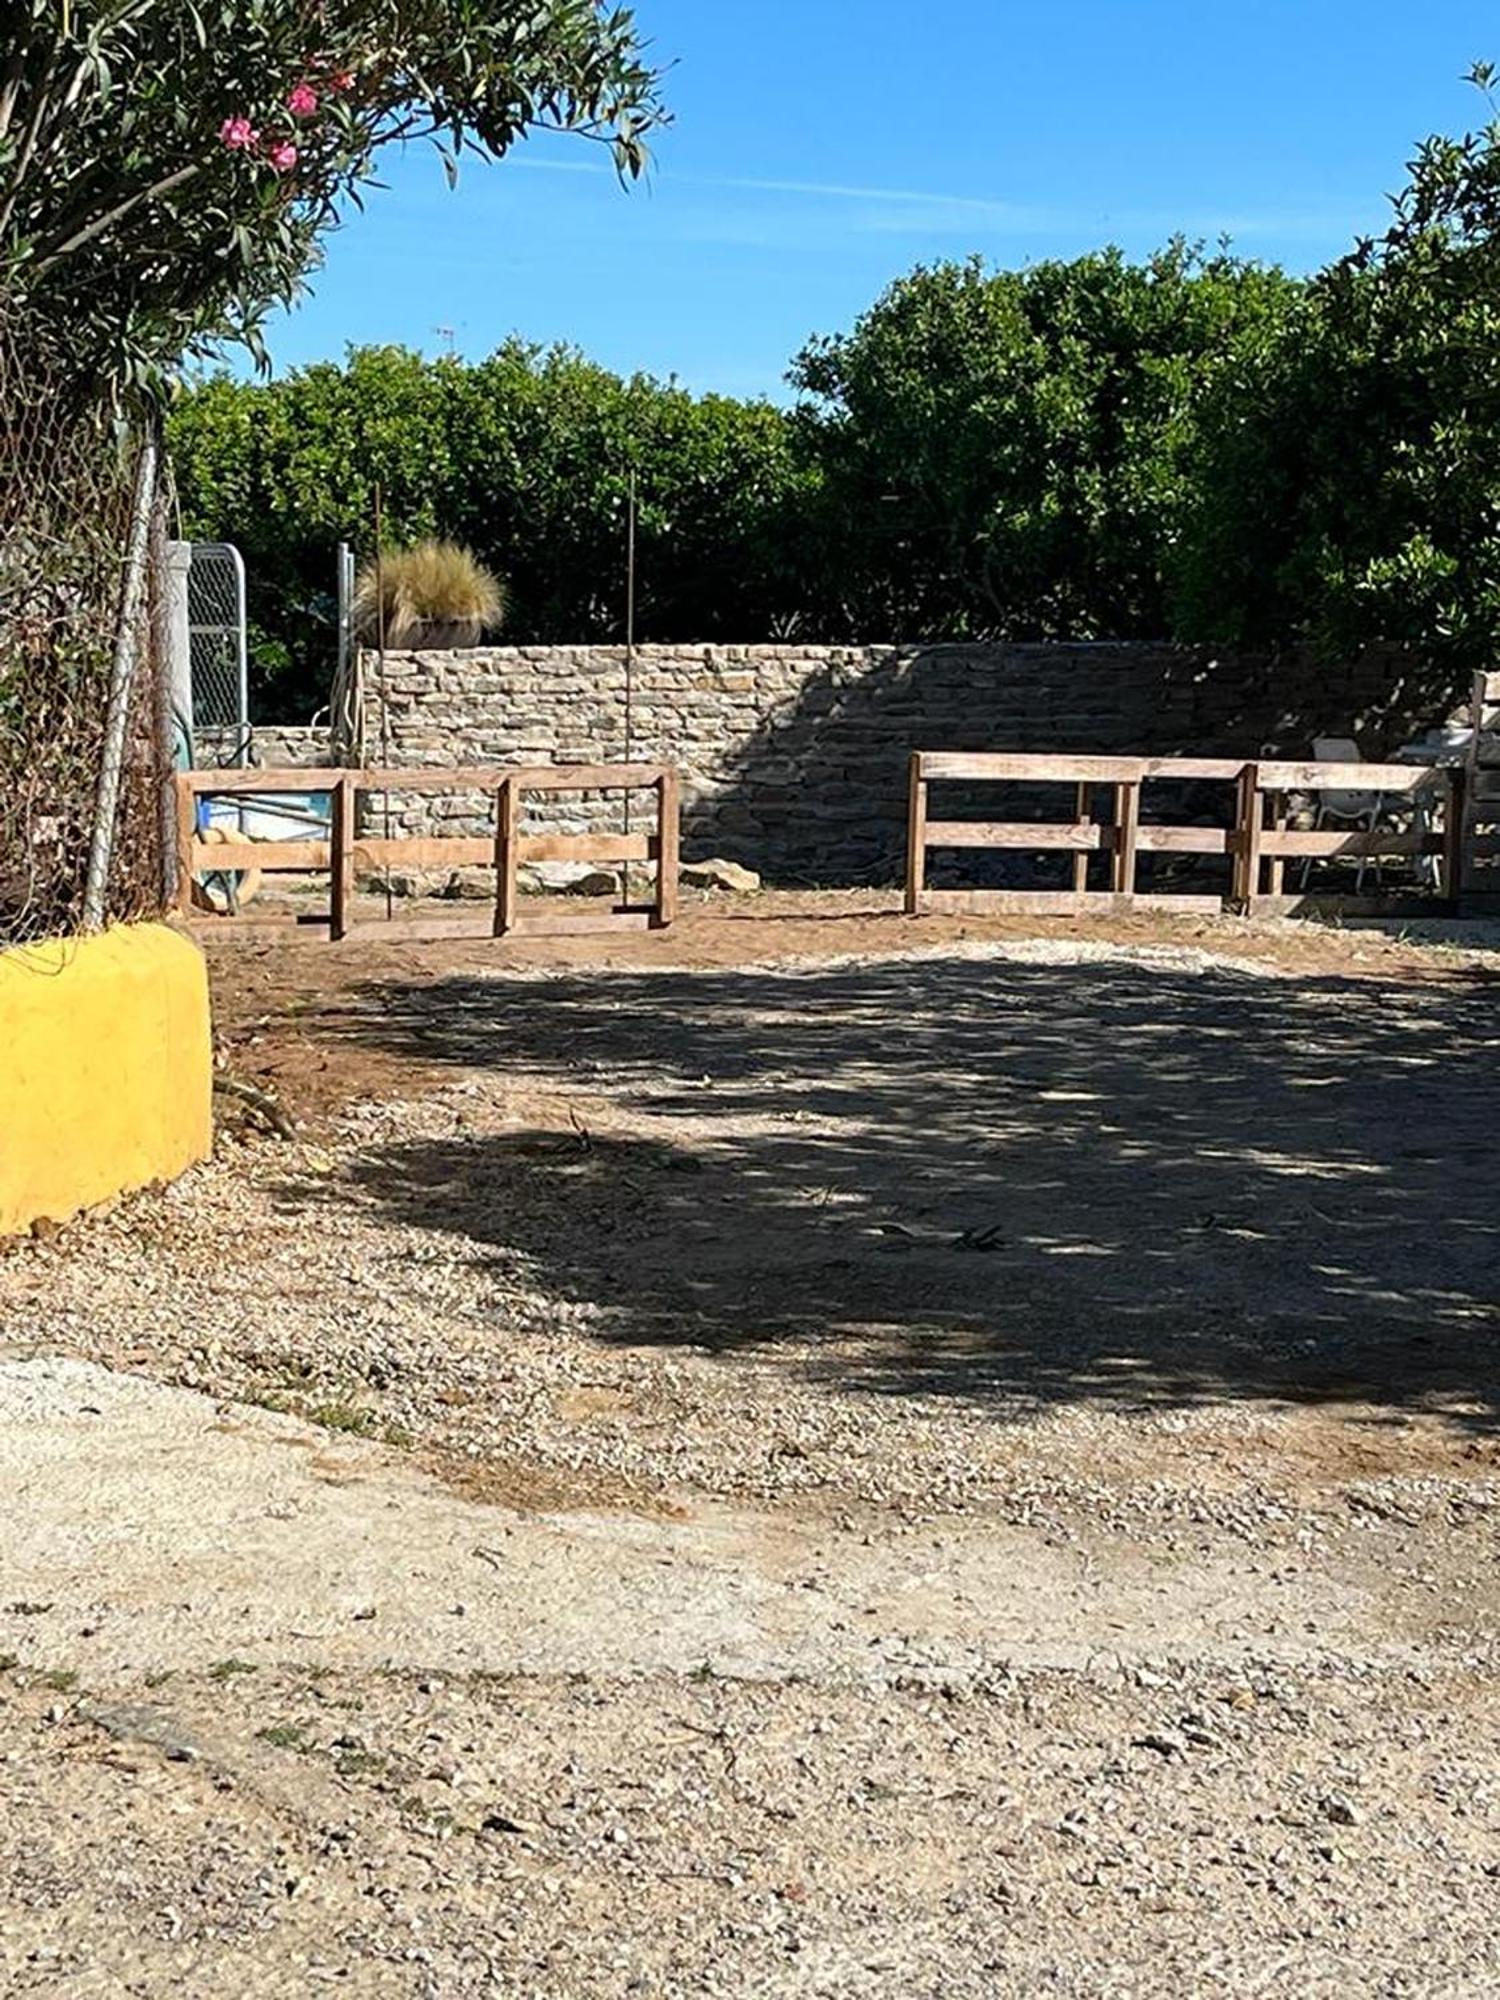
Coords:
66,509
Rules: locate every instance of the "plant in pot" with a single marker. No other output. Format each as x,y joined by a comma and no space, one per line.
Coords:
431,597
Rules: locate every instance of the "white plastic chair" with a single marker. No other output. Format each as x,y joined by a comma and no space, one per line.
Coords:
1351,807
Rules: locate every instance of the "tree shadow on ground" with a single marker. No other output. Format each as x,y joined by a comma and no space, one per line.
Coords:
1004,1181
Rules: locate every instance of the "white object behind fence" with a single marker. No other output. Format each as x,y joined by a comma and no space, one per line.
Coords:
218,651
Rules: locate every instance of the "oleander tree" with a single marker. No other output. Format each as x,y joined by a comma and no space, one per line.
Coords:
169,168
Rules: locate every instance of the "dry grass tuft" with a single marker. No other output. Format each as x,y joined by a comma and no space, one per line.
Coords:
433,594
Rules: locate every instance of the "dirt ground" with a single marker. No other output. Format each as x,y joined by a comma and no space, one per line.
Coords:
808,1454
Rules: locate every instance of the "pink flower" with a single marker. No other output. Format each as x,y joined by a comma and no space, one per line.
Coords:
343,82
303,101
281,157
238,134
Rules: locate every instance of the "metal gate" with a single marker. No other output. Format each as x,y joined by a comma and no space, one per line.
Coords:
217,650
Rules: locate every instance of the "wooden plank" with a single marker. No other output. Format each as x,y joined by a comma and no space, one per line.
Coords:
507,857
1455,810
667,846
272,857
1248,839
431,778
1272,844
233,784
341,890
424,851
1154,839
1023,767
1297,841
425,778
1225,770
586,847
185,820
1398,778
1127,827
916,832
1059,903
226,926
1022,833
587,777
584,925
425,930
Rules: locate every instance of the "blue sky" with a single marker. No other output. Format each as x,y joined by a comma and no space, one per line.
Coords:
821,147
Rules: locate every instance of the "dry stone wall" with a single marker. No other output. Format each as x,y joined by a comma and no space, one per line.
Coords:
273,746
794,757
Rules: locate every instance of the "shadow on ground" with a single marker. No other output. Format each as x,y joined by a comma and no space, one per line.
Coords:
1009,1182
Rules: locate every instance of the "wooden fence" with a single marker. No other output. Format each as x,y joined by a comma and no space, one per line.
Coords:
347,852
1255,838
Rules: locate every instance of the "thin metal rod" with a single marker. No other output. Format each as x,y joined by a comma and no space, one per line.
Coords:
161,692
122,670
629,637
385,706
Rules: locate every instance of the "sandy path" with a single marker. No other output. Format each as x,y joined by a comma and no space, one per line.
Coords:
163,1530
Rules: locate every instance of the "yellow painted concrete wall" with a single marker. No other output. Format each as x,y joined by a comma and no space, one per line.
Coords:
106,1069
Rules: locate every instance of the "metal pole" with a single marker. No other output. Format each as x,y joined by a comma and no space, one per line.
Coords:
241,657
630,635
162,725
122,669
385,707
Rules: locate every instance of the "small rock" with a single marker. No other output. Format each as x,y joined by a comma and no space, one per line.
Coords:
469,885
597,882
567,878
719,874
1341,1811
1165,1742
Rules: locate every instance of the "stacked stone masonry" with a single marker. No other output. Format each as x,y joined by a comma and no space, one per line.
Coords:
793,758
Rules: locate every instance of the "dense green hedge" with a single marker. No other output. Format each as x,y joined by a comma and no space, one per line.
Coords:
525,457
1189,447
982,454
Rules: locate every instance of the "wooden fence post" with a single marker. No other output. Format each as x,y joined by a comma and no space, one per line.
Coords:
1278,825
1451,864
1081,858
916,835
507,883
341,881
1127,827
668,834
185,817
1248,835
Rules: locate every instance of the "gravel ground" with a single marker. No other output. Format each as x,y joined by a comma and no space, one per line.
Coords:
1151,1290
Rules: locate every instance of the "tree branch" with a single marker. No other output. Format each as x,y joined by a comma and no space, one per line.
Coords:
117,214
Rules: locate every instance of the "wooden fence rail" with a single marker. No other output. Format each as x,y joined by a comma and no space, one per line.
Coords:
1255,839
347,853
